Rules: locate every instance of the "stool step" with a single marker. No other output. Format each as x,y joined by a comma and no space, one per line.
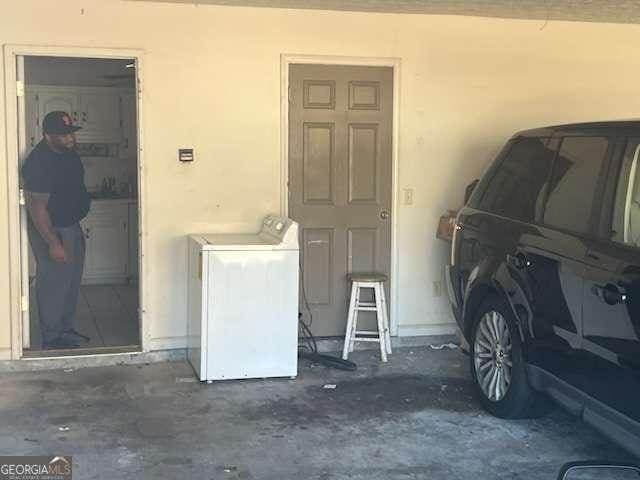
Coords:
366,332
366,304
367,339
366,309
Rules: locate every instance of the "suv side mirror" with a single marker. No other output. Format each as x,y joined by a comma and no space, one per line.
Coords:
599,470
469,190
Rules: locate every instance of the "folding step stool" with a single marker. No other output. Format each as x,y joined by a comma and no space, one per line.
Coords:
379,306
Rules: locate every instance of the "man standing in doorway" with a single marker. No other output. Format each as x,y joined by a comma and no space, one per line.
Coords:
57,200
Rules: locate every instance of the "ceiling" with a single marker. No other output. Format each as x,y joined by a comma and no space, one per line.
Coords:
610,11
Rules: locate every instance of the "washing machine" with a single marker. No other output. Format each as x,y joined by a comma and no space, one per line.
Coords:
242,316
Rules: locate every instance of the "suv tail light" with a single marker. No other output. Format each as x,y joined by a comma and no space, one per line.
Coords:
454,241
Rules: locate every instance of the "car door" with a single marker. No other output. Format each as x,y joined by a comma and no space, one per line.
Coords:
555,253
611,298
540,268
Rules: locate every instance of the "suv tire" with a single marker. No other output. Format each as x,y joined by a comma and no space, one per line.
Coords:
497,363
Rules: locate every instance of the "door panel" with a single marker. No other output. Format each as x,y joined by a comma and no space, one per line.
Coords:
363,249
578,167
363,163
340,176
317,168
611,332
99,117
318,282
107,251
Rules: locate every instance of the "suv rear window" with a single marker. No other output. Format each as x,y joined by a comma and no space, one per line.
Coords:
517,187
572,189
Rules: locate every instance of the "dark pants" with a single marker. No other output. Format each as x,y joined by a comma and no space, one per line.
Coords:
57,284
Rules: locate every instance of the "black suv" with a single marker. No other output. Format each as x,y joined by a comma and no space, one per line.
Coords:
545,276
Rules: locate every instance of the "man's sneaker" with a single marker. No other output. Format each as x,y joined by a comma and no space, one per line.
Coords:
76,334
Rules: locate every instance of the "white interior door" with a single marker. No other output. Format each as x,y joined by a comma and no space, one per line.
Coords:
23,151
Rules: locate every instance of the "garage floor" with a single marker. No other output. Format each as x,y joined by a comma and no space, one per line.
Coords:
413,418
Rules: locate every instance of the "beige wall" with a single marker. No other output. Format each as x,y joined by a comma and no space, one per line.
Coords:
212,79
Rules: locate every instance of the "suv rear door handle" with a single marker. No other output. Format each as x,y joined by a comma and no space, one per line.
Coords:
519,260
609,293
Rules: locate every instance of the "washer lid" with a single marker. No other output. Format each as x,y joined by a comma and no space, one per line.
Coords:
239,241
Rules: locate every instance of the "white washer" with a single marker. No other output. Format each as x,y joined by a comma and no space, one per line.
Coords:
243,303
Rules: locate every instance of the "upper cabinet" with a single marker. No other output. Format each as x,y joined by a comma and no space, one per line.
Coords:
99,116
98,110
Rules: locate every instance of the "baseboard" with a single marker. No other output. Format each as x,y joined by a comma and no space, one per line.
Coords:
427,330
167,343
335,344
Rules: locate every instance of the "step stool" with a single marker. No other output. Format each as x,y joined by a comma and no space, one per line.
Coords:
374,281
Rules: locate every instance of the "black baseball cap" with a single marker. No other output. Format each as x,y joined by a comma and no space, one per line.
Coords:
58,123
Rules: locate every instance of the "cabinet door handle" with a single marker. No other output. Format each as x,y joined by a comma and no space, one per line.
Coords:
87,232
32,139
75,116
84,116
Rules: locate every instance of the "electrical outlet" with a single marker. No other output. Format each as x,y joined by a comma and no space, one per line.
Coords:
437,288
408,196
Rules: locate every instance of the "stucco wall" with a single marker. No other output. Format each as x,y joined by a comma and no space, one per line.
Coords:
212,81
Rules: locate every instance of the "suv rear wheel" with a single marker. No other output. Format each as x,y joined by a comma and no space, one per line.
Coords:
497,363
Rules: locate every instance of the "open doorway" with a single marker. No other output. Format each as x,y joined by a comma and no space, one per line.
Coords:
100,309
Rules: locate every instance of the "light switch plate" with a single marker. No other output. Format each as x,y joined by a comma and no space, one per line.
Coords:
407,194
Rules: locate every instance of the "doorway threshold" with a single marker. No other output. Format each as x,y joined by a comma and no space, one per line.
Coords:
93,357
79,352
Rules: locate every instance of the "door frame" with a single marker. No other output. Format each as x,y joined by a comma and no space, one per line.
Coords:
286,60
11,52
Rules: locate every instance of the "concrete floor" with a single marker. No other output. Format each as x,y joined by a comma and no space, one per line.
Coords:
412,418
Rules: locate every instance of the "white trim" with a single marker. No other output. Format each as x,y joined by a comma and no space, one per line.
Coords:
288,59
11,157
427,330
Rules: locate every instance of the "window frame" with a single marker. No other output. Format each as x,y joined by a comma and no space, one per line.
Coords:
497,167
594,223
609,197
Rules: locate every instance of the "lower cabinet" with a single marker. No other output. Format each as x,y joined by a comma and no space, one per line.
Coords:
106,231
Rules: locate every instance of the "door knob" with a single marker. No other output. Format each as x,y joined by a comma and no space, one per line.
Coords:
384,214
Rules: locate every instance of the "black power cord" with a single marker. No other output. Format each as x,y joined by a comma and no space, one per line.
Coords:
309,349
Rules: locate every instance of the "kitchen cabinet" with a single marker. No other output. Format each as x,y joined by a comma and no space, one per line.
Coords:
106,231
96,109
52,100
99,116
